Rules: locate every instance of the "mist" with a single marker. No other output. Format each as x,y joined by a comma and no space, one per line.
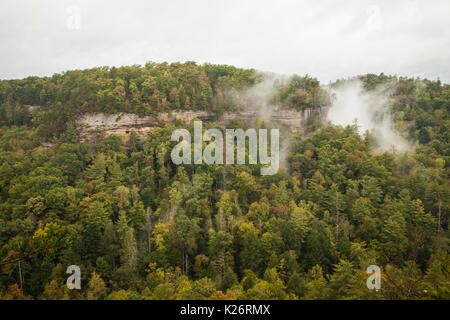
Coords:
257,101
370,109
258,98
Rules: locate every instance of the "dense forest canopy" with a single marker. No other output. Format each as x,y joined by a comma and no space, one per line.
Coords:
142,228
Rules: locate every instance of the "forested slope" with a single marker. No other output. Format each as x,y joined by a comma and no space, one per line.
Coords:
142,228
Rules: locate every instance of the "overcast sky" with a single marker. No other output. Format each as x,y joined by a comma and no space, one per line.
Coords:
326,39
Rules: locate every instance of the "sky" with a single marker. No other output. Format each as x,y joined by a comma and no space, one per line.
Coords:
327,39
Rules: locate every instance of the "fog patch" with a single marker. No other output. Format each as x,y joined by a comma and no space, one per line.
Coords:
370,109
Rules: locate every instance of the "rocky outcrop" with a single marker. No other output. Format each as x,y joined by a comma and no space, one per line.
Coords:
124,123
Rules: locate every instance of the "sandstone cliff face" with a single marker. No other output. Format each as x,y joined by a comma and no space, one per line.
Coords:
124,123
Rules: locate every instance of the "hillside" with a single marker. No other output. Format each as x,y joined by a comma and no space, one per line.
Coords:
86,179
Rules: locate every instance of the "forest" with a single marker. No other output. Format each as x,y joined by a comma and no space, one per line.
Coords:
142,228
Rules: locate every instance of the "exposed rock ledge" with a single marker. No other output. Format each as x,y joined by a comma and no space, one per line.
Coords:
124,123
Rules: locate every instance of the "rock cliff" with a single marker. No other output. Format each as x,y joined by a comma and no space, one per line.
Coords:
124,123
